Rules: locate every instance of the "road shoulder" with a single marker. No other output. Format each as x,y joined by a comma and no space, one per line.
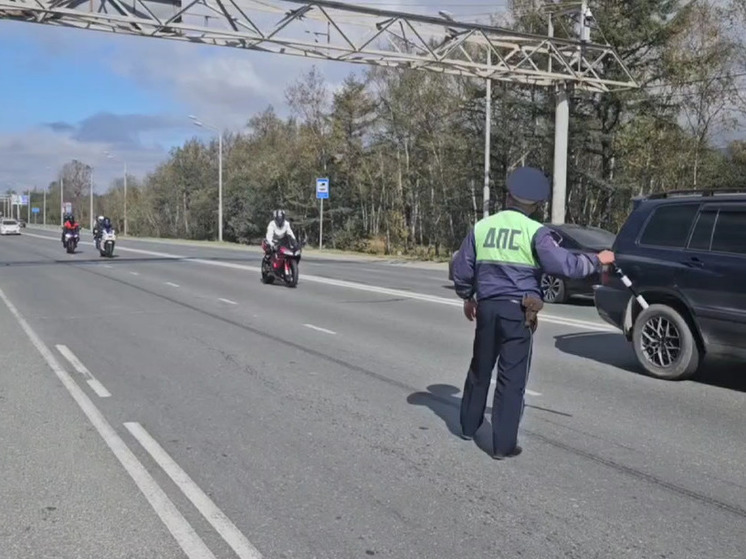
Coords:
63,491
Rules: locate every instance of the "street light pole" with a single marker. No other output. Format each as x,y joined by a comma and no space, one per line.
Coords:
125,198
201,124
62,199
112,156
91,189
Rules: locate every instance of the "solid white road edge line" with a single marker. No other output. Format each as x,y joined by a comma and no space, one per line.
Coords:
181,530
553,319
199,499
97,387
318,329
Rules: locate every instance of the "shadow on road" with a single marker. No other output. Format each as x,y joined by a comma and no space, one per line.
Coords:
614,349
445,401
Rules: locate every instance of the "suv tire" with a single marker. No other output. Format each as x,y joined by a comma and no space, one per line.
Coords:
662,325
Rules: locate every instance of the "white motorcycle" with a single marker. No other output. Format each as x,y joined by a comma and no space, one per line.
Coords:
105,244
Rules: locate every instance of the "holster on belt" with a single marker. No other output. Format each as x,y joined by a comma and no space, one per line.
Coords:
531,307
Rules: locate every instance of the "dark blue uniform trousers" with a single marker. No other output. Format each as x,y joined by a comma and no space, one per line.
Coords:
501,336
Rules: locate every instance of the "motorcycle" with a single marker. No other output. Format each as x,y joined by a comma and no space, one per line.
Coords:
283,263
105,243
71,241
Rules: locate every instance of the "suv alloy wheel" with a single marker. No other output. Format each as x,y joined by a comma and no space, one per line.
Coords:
664,344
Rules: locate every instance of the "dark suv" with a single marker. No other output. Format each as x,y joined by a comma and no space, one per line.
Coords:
685,253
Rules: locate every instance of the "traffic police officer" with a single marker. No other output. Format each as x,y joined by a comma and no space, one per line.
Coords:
497,273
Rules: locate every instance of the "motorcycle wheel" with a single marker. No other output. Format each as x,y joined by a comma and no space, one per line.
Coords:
267,275
70,248
292,281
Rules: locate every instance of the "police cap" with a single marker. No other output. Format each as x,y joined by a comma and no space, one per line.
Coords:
528,185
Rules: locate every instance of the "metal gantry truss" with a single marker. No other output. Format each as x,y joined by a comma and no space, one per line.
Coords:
328,30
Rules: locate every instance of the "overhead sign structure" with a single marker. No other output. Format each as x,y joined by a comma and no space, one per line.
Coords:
18,200
359,34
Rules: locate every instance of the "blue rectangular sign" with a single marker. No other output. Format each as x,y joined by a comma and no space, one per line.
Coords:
322,188
34,210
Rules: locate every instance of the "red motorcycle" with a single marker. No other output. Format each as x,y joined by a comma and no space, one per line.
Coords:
281,263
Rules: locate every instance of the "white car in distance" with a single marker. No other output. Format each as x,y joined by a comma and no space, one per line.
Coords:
10,227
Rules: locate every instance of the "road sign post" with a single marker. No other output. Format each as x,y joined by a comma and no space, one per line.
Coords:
322,193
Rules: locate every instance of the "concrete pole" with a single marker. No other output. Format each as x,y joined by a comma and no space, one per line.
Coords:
62,200
220,186
44,210
561,131
91,208
487,140
125,198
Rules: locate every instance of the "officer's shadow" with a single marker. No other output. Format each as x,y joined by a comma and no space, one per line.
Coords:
445,402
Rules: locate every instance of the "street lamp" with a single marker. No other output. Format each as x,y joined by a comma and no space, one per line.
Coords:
112,156
199,123
91,189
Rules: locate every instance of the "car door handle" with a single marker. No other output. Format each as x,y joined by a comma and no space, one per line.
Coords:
694,262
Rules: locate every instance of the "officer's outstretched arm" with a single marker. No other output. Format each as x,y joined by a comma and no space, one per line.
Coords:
464,268
557,261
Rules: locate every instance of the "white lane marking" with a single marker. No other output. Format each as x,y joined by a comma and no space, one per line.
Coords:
135,273
222,524
181,530
318,329
228,301
108,266
97,387
172,284
552,319
529,392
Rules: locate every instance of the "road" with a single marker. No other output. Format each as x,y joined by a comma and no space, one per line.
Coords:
167,404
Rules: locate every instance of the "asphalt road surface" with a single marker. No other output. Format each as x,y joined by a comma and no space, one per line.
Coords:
166,404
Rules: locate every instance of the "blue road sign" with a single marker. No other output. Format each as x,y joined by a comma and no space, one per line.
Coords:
322,188
24,200
34,210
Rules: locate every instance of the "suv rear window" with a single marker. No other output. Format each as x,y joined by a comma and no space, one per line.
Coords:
730,232
669,225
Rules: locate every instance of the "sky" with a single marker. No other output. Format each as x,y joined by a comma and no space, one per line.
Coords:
69,93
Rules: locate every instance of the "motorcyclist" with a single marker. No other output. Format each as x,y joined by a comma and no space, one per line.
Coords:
70,225
278,229
98,227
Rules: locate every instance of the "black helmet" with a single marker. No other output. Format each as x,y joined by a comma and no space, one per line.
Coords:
106,222
279,218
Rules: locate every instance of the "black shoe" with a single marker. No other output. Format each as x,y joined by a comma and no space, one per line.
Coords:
516,451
